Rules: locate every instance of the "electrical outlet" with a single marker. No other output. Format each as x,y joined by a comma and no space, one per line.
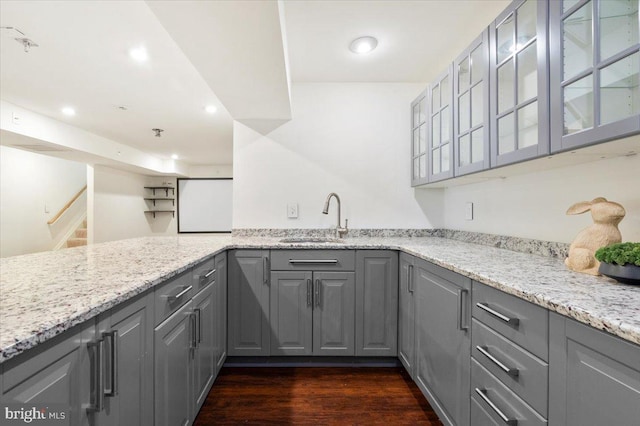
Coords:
15,119
46,208
292,210
468,211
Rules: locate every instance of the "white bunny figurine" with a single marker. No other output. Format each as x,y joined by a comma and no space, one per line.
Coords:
604,231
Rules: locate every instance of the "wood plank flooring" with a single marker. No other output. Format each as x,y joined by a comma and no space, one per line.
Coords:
312,396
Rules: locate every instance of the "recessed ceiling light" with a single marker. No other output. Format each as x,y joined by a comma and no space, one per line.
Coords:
363,45
139,54
211,109
69,111
174,156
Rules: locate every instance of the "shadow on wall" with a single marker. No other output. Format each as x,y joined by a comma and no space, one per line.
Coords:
160,224
431,202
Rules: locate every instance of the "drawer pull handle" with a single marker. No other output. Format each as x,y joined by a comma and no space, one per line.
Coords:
173,298
485,398
316,292
208,274
410,279
486,308
265,269
309,291
113,338
97,404
311,262
510,371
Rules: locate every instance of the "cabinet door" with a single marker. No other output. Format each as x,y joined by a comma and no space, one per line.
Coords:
519,83
57,376
440,145
419,128
443,347
221,310
205,336
174,342
128,364
471,108
376,303
594,377
334,313
595,66
406,316
291,313
249,330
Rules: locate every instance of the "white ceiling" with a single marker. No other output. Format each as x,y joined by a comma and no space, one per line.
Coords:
237,49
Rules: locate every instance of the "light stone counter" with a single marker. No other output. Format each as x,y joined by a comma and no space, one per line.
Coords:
44,294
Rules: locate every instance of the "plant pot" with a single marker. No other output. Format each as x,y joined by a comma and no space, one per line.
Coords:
628,274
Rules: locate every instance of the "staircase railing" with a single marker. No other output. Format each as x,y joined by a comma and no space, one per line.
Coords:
66,206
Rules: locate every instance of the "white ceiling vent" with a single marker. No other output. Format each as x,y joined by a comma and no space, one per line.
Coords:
41,148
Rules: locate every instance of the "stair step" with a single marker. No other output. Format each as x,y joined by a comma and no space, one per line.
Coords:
84,223
75,242
81,233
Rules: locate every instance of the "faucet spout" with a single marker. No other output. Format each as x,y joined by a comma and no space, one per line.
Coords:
340,231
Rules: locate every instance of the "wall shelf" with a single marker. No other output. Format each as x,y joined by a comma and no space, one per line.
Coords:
166,189
173,212
173,200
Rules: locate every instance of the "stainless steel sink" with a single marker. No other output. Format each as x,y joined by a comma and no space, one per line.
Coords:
311,240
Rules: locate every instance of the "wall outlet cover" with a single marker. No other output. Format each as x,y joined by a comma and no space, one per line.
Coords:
292,210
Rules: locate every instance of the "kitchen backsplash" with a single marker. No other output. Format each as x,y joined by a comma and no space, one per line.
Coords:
523,245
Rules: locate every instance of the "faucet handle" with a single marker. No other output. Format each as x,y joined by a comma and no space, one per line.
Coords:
343,231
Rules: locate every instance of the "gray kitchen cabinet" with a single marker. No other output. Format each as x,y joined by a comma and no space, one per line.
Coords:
406,313
443,340
221,310
248,303
204,362
440,138
174,344
127,363
519,82
376,303
58,376
333,314
594,377
471,108
419,128
595,66
291,312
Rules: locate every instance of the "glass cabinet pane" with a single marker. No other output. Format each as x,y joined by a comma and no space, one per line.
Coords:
416,141
435,98
619,91
423,166
477,105
416,168
568,4
435,163
463,112
577,41
422,148
435,130
506,139
444,152
618,26
527,18
477,65
465,150
477,145
445,91
506,86
463,75
528,125
527,73
578,105
416,114
423,114
445,123
505,38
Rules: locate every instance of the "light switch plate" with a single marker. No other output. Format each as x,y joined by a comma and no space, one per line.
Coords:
292,210
468,211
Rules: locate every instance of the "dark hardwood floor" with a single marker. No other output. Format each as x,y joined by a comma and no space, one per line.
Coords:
310,395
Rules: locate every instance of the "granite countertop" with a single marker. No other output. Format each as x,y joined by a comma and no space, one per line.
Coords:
44,294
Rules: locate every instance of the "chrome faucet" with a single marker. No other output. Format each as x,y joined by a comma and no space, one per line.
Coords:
340,232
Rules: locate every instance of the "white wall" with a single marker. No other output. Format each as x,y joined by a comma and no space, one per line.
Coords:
28,182
349,138
119,205
534,205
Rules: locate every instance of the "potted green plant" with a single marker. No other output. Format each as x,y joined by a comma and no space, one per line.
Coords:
620,261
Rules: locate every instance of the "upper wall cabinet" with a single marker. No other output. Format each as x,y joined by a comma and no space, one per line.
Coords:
419,140
595,63
471,109
440,146
519,83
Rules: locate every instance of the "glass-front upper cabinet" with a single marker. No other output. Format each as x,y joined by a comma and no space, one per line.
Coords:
595,68
419,140
471,108
519,83
440,140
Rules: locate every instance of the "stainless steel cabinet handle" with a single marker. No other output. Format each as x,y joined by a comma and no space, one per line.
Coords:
310,261
265,269
309,298
410,273
172,298
461,298
113,377
198,313
485,398
512,321
316,294
211,272
192,331
510,371
97,404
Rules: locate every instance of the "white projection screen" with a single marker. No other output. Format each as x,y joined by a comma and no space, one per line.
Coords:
204,205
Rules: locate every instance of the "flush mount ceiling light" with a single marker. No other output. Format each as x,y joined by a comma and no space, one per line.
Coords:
139,54
174,156
211,109
69,111
158,132
363,45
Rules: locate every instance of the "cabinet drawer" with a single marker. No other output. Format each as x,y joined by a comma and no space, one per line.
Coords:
518,320
528,376
204,274
487,390
173,294
316,260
